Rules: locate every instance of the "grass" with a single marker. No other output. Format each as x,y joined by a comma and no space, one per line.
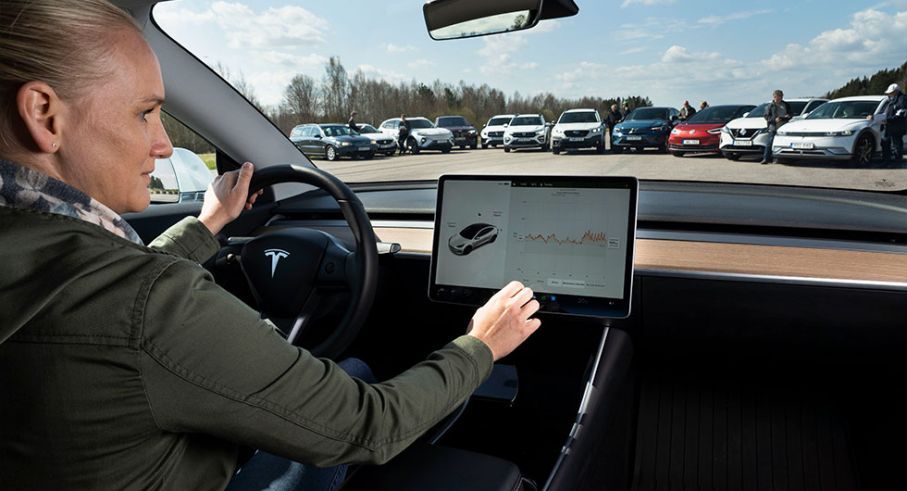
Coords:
209,159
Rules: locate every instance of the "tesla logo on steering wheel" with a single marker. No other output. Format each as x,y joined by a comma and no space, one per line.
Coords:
276,255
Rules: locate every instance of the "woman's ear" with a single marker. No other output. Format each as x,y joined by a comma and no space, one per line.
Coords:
40,109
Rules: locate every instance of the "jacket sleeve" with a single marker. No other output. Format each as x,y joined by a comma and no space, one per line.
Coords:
189,239
211,366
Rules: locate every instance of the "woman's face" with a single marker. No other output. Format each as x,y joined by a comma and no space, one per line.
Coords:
114,131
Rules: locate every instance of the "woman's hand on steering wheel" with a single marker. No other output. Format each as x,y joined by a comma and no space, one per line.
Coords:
227,196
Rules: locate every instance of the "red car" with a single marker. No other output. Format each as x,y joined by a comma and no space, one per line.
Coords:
702,132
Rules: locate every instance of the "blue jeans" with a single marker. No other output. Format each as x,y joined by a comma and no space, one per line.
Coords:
265,471
767,155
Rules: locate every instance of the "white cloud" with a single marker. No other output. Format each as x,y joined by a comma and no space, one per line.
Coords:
586,71
395,48
717,20
679,54
646,3
301,63
421,63
499,51
387,75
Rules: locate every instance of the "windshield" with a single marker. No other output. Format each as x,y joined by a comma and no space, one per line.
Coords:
646,114
418,124
337,130
844,110
307,62
578,117
718,114
526,121
452,121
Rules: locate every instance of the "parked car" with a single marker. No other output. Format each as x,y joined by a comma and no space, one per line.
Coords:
464,133
849,128
578,128
383,143
702,131
472,237
527,131
183,177
644,127
423,135
331,141
493,131
747,134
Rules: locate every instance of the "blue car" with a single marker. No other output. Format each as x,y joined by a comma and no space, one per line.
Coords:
644,127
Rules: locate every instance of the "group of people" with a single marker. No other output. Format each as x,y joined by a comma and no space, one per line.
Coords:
778,113
687,111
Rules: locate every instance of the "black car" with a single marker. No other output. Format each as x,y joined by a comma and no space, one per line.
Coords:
464,132
644,127
331,141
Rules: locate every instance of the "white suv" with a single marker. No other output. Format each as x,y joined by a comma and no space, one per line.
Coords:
493,131
423,135
849,128
578,128
747,135
526,131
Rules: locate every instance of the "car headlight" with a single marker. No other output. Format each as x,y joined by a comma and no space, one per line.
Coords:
472,132
422,140
781,133
714,131
675,131
345,144
840,133
540,133
725,130
660,128
596,130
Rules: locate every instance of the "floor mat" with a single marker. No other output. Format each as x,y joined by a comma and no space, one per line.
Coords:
701,430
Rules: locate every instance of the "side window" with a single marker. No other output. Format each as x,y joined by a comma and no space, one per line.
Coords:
811,106
185,175
296,133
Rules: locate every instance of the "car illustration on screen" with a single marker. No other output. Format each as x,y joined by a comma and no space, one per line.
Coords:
472,237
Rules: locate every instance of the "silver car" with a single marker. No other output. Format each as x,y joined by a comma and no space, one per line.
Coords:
472,237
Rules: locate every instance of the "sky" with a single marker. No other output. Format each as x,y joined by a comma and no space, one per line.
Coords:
669,50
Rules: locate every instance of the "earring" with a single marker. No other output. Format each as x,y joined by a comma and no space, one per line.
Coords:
54,144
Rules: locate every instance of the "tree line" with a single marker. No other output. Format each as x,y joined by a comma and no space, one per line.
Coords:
872,85
331,99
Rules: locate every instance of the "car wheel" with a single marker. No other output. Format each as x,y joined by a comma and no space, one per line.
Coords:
413,146
732,156
507,149
472,146
467,250
330,153
556,151
862,151
389,154
484,146
677,154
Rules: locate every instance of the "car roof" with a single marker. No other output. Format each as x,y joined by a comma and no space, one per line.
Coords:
874,98
501,116
581,110
805,99
526,115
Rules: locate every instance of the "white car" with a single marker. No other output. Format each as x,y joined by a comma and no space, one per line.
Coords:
849,128
423,135
493,131
578,128
747,135
383,143
526,131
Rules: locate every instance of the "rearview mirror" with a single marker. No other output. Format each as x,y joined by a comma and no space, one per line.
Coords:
455,19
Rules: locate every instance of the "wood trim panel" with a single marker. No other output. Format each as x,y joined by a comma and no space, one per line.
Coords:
711,257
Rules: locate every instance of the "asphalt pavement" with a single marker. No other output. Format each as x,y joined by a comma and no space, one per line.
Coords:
644,165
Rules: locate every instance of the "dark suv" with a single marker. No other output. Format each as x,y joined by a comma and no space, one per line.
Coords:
463,132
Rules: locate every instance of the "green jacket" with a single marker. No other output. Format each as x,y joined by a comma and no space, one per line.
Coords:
127,367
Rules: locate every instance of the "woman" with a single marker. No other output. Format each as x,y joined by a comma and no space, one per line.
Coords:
125,366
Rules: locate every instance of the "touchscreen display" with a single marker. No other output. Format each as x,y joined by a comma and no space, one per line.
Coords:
570,239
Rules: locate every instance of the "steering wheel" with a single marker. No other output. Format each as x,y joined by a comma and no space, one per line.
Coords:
290,270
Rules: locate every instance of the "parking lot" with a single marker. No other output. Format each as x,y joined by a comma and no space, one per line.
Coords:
645,165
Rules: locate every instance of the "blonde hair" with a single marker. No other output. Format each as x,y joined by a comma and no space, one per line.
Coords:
59,42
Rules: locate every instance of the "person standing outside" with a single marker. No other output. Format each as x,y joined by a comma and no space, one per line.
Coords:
703,105
402,134
895,125
776,115
352,122
686,111
614,117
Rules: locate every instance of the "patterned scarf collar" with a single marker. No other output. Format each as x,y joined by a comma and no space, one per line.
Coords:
27,189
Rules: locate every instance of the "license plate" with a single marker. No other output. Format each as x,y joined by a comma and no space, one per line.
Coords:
691,142
364,149
803,145
743,143
634,138
576,139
